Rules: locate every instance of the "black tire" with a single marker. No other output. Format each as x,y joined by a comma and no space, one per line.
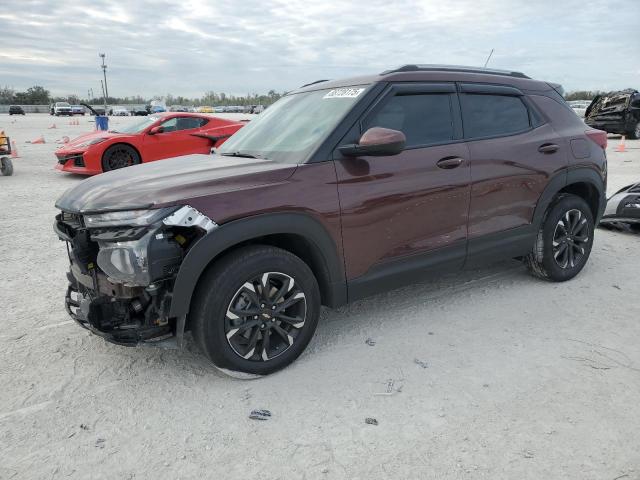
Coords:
6,166
118,156
564,241
634,134
213,324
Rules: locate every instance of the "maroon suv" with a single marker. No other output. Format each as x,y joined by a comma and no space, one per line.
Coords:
338,191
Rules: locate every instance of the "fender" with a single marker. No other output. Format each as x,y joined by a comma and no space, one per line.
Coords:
232,233
564,178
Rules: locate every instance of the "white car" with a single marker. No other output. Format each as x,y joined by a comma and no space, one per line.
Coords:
61,108
579,106
120,112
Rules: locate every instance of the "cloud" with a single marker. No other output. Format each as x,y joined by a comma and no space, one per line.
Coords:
192,46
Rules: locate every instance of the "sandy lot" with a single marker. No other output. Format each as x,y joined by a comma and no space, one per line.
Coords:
495,375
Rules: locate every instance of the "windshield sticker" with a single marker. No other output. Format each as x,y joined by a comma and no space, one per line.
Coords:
344,93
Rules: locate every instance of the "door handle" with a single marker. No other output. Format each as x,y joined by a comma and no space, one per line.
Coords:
548,148
450,162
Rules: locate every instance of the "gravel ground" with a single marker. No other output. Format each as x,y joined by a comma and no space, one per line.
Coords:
489,374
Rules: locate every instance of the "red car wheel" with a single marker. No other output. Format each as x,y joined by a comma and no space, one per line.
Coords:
119,156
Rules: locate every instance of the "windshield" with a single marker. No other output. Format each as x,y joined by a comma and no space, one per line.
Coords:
139,126
294,127
62,104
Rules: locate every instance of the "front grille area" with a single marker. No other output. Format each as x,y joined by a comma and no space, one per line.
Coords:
78,159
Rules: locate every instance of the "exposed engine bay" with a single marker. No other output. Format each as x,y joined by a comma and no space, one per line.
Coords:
123,268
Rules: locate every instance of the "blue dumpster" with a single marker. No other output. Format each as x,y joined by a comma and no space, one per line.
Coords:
102,122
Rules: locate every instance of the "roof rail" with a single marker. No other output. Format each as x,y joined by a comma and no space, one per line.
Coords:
313,83
454,68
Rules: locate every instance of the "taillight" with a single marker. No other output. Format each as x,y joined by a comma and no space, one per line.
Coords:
598,136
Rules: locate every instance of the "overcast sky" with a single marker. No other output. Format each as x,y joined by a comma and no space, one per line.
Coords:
187,47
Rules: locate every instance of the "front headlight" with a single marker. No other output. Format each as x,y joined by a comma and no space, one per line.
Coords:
134,218
154,255
126,261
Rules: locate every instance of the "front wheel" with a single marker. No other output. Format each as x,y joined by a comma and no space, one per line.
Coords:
635,133
564,241
256,310
119,156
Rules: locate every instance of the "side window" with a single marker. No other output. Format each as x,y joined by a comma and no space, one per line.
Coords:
423,118
186,123
169,125
492,115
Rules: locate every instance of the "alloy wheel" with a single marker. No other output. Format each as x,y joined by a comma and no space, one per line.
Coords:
120,158
637,130
265,316
570,239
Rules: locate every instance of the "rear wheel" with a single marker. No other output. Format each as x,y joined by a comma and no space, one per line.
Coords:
564,241
635,133
6,166
119,156
256,310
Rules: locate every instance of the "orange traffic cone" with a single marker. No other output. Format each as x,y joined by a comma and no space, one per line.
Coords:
53,126
14,150
621,147
38,140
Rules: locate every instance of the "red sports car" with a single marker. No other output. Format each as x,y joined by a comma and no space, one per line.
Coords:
158,136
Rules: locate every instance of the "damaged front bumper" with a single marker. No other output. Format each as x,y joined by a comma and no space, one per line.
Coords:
115,319
121,277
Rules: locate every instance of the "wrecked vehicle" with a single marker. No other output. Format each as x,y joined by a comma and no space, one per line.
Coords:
623,210
340,190
616,112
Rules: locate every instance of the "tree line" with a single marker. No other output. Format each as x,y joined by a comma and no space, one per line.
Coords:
38,95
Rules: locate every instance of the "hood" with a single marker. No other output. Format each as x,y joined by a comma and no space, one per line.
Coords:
91,135
170,182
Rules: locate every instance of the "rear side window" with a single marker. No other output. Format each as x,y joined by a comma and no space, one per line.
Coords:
424,118
493,115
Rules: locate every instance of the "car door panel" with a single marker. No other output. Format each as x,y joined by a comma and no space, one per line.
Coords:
402,205
513,154
508,176
399,208
174,143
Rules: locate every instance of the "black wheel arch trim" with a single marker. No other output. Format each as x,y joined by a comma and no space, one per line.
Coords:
236,232
564,179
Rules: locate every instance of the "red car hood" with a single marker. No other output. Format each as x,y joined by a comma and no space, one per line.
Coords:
73,144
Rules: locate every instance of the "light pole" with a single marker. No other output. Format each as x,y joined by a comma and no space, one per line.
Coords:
106,90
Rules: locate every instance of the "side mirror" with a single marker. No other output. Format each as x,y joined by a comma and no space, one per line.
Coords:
376,142
158,129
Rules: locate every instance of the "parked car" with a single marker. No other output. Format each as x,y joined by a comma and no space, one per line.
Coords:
120,112
62,108
140,111
218,109
155,137
579,106
616,112
178,108
77,110
369,184
205,109
16,110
